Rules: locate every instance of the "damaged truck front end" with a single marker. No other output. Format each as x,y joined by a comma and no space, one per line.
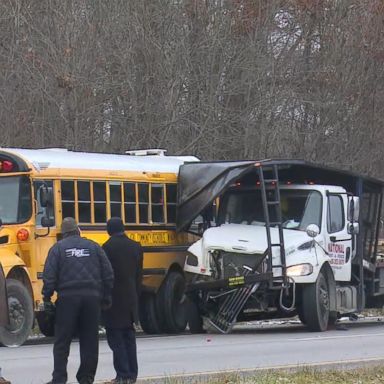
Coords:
277,248
230,268
229,291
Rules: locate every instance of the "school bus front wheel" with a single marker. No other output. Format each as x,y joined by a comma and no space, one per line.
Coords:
149,321
20,314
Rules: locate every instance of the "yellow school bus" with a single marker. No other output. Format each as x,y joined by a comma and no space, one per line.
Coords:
39,187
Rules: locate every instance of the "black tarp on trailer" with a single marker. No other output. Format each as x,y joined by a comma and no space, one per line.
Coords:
201,183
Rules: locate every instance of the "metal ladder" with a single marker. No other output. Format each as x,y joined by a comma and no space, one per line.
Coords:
272,203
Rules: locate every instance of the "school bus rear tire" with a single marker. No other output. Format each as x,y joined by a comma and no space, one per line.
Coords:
171,299
149,320
20,313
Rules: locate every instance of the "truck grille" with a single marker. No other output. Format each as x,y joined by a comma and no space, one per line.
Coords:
232,264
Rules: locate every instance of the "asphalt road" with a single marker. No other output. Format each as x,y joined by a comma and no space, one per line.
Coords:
247,348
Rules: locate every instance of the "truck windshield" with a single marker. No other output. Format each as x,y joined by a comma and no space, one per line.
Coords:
15,199
299,208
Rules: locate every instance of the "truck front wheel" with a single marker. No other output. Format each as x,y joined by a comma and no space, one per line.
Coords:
20,315
315,304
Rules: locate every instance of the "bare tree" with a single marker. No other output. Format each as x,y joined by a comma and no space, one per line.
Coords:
223,79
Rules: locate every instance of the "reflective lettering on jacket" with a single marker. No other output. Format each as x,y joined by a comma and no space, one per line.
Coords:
77,252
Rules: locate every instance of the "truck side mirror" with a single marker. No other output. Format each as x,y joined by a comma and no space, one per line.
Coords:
312,230
46,196
353,209
356,212
47,222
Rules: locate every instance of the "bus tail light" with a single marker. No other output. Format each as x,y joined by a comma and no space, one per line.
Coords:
22,234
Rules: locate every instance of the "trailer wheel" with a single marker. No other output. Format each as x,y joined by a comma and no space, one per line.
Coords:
315,304
195,321
148,314
171,300
20,315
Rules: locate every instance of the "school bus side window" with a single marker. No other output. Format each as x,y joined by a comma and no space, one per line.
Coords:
157,203
42,211
68,198
130,202
171,194
84,201
100,205
143,203
115,198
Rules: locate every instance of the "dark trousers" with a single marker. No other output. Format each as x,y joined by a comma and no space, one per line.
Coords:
76,315
123,345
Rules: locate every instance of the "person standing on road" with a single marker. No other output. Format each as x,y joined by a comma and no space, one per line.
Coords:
81,274
126,257
4,315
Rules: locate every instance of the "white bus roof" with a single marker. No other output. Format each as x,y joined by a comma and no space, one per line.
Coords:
61,158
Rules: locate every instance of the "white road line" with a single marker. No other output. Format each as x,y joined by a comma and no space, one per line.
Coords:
336,337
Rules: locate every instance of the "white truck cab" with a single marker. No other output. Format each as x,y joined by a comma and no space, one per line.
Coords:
280,246
302,205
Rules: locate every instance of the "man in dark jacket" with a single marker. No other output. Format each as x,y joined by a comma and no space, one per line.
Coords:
4,319
81,274
126,257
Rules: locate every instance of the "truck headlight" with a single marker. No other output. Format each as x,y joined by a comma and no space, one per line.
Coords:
300,270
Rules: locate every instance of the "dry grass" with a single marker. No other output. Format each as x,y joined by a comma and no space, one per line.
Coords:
374,375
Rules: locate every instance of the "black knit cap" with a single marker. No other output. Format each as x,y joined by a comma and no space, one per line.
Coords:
115,225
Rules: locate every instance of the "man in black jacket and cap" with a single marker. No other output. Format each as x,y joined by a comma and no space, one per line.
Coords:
126,257
81,274
4,315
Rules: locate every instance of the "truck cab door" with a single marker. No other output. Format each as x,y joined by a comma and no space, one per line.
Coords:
338,240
